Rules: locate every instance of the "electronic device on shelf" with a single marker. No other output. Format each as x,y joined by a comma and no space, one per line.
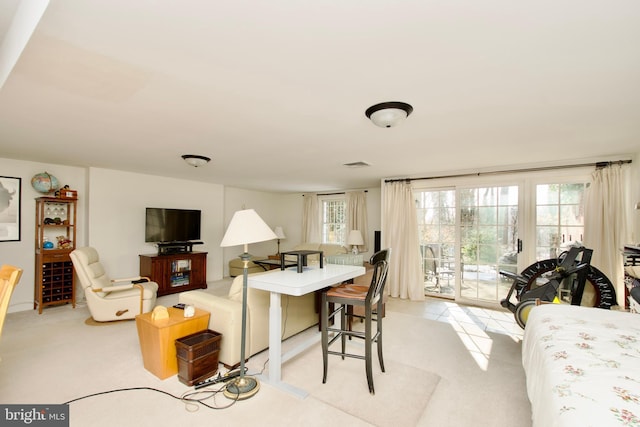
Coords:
172,225
173,230
167,248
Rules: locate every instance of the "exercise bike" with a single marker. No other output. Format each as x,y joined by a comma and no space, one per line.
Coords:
543,280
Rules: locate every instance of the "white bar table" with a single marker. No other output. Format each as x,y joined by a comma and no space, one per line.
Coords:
290,282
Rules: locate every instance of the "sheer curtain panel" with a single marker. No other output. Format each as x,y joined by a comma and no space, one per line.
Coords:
605,228
400,233
357,219
311,219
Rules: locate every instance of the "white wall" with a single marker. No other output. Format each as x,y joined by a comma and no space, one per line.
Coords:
22,253
111,206
284,210
116,212
275,209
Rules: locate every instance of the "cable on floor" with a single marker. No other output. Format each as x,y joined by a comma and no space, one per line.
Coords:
191,399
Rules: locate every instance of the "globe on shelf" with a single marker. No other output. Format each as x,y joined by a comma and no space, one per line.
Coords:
45,183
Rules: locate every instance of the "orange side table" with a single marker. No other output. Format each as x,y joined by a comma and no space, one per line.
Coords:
157,339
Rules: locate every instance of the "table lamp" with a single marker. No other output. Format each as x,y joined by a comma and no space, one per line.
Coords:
355,239
280,235
245,227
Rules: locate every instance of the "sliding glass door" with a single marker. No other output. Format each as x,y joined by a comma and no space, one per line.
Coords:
488,241
436,212
469,233
466,237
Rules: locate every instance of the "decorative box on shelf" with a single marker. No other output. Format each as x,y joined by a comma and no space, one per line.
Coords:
68,194
346,259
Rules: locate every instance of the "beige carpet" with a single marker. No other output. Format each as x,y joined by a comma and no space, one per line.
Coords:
89,321
346,389
438,374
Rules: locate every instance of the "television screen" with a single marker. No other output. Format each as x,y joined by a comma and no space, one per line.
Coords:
172,225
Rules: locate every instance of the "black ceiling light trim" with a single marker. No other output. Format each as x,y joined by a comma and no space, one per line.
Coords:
388,114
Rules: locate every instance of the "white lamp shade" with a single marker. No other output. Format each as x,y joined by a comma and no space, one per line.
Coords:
246,227
355,238
279,232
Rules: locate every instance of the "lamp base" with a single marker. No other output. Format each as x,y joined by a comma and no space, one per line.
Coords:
242,388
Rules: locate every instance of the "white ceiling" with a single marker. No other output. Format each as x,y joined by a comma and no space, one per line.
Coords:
275,92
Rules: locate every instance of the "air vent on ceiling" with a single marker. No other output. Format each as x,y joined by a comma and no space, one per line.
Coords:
357,165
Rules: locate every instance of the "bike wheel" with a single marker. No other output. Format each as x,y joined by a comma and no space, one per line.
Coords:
522,312
598,291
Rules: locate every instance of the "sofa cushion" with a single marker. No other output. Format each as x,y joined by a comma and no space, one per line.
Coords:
308,246
235,291
332,249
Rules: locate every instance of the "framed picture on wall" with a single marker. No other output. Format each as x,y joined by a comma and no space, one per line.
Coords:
10,208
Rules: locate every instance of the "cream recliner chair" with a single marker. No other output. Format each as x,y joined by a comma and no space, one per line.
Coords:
107,300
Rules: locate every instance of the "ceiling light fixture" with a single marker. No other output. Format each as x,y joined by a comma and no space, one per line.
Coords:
388,114
195,160
359,164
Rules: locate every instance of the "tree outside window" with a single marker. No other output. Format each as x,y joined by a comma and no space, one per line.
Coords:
334,221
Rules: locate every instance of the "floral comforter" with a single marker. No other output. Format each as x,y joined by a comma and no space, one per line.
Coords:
582,366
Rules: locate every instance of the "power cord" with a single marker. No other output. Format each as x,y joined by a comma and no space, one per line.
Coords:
191,399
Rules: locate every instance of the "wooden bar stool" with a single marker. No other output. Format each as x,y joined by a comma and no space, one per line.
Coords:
346,296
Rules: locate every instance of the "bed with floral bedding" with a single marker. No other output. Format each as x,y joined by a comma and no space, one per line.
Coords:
582,366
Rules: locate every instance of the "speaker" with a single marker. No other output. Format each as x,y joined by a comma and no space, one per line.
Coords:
376,241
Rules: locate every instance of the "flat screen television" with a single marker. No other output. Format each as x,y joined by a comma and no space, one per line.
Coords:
172,225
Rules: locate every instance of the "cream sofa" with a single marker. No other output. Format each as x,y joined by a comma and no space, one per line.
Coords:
298,313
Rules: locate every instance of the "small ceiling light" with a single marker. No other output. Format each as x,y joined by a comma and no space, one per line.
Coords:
388,114
357,164
195,160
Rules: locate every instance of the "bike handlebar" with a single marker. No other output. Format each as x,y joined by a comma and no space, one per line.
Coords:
574,269
514,276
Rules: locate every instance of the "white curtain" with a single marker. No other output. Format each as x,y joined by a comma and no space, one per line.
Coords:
311,219
357,216
605,228
400,234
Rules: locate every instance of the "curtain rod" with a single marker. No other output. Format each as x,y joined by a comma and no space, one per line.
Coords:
334,194
598,165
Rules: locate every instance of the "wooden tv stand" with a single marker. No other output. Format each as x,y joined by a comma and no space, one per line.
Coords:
175,272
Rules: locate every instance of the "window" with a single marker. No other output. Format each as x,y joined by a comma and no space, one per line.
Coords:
334,220
559,218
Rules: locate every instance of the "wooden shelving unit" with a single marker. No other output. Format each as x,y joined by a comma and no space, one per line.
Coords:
54,279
